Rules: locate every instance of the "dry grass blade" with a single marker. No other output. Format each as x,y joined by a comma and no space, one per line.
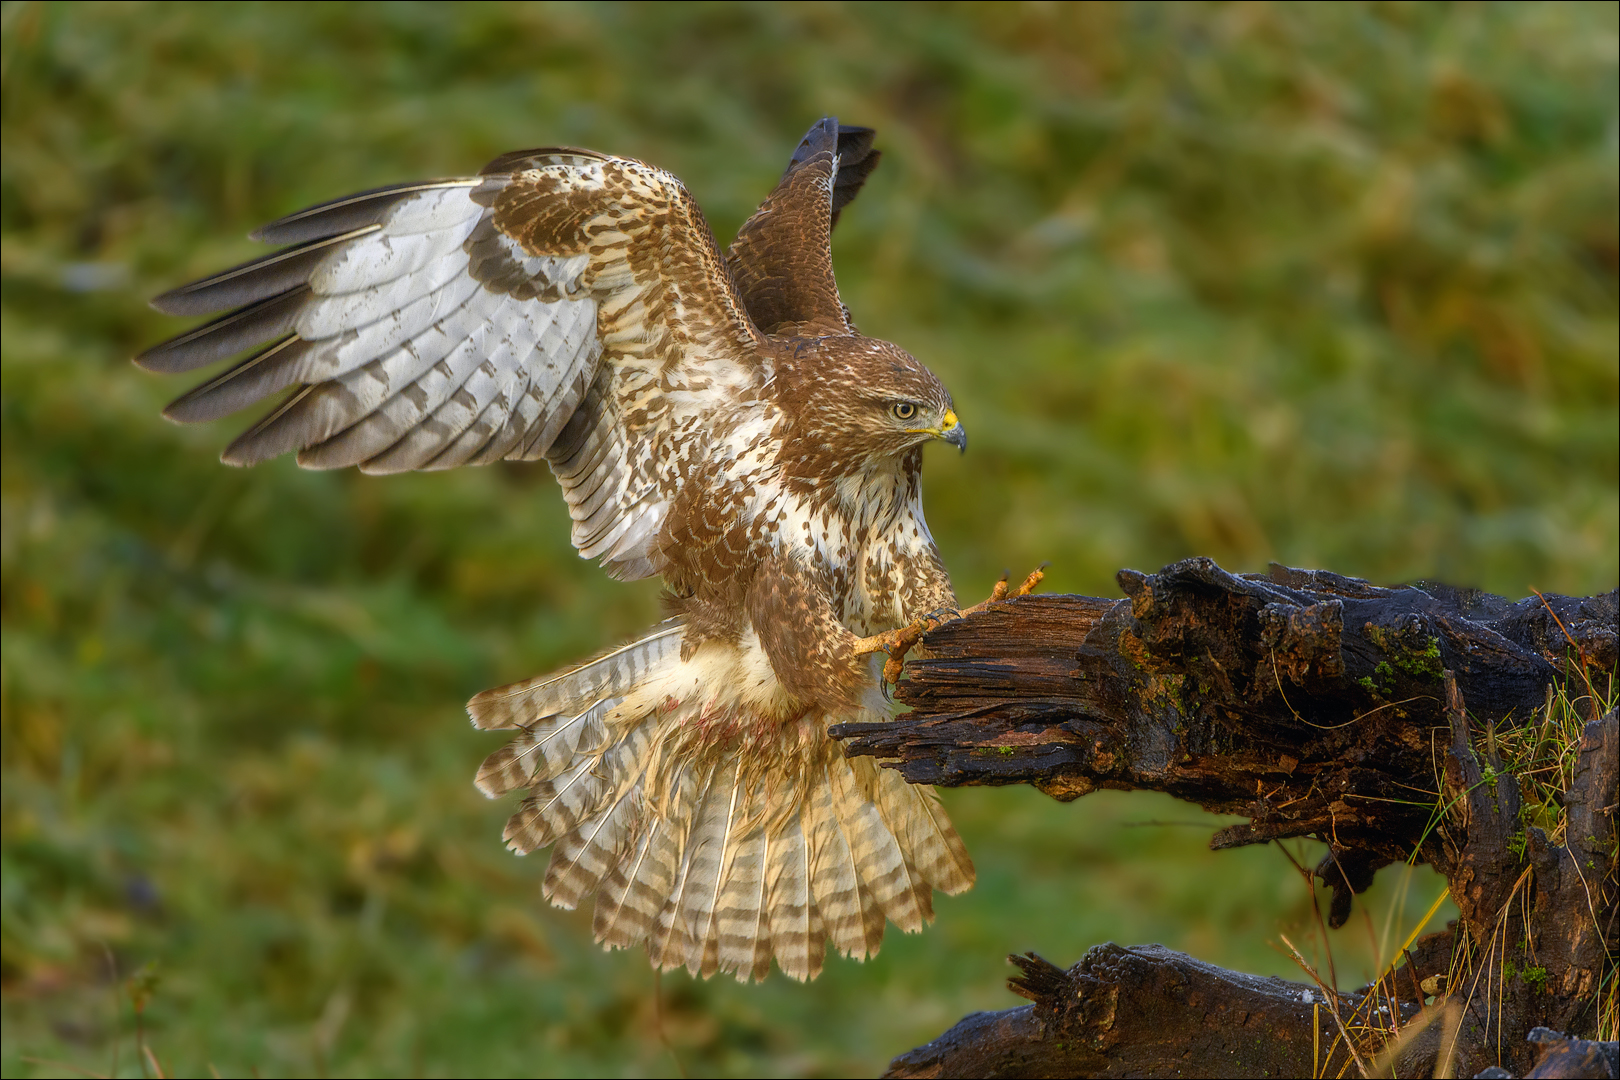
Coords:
1448,1040
1332,997
1384,1063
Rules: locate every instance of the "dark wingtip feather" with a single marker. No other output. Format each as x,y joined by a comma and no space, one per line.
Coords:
225,336
822,138
248,383
252,281
177,302
343,215
267,438
856,160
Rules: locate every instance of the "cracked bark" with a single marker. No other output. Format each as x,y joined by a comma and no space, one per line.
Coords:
1314,705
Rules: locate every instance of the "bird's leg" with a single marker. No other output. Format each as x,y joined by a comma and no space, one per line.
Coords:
897,643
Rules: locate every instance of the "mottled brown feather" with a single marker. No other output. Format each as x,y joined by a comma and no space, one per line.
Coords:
782,256
713,419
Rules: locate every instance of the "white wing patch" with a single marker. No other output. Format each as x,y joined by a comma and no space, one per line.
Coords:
423,337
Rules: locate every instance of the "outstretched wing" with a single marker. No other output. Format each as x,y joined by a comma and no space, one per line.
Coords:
782,257
546,308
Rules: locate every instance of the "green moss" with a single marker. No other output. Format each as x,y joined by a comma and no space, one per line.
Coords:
1533,977
1416,654
1383,684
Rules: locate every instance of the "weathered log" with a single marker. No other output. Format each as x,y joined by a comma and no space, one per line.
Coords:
1314,705
1142,1011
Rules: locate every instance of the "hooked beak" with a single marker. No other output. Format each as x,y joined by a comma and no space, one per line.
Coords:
952,431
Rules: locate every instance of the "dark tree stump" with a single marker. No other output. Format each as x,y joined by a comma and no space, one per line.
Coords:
1142,1011
1315,705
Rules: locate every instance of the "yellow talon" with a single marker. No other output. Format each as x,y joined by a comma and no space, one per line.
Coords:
897,643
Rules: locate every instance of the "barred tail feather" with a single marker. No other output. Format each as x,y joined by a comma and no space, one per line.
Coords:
543,750
716,838
745,944
634,892
854,919
878,859
555,806
741,939
798,936
915,816
588,852
583,857
712,835
666,943
610,674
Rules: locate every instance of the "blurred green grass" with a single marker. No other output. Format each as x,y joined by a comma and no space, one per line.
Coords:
1328,284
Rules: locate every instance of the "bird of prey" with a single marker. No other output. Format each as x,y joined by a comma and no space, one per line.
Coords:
713,418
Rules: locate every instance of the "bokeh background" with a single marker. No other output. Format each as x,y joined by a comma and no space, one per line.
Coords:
1328,284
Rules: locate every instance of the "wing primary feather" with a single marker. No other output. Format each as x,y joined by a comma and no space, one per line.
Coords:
515,397
346,214
248,383
475,437
252,281
402,411
856,160
225,336
328,429
428,439
248,448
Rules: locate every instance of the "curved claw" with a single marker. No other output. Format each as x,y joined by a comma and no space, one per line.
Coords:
1032,580
998,591
1003,590
897,643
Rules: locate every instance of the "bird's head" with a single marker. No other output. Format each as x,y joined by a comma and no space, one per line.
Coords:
860,402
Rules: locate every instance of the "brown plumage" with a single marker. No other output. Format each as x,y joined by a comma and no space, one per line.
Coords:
712,418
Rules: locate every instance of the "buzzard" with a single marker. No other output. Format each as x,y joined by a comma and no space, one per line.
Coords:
715,419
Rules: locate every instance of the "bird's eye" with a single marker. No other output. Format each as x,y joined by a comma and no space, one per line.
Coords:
903,410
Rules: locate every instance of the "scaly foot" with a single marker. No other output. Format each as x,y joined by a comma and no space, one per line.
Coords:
1002,591
897,643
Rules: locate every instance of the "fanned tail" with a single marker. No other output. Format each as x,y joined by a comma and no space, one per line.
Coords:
798,935
925,832
545,748
612,673
853,919
716,838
